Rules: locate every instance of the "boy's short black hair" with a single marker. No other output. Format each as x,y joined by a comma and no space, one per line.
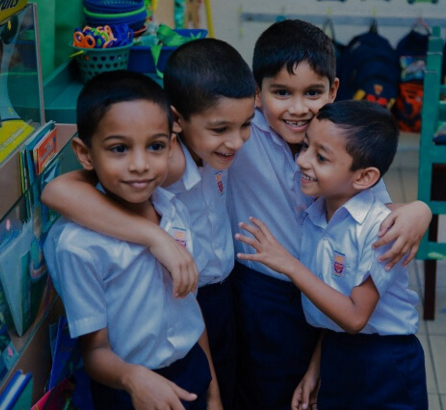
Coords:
370,129
289,42
112,87
202,71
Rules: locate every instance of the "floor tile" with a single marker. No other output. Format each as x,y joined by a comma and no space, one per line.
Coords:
438,344
438,326
430,371
442,401
434,402
394,186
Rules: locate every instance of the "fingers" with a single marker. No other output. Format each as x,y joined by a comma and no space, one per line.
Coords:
183,394
411,255
386,224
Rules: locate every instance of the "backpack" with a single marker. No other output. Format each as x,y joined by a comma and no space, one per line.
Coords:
412,50
369,69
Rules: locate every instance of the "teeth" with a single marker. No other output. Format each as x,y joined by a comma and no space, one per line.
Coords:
308,178
225,155
296,123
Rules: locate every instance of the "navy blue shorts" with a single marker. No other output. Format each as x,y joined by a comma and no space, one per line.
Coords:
191,373
370,372
218,311
274,341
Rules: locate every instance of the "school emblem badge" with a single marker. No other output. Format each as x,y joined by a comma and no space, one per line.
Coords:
179,235
219,181
338,264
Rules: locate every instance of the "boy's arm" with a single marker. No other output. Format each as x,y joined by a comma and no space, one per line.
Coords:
213,396
74,196
351,313
406,225
148,389
305,394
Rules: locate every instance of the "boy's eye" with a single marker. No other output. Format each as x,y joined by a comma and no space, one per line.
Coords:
119,148
246,125
321,158
282,93
220,130
313,93
157,146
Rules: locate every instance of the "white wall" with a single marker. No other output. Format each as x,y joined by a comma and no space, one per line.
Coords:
243,34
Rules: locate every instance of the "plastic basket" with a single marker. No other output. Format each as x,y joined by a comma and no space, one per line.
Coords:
141,59
92,61
134,19
113,6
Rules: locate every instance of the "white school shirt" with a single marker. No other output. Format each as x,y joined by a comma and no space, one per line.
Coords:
203,190
264,182
108,283
340,253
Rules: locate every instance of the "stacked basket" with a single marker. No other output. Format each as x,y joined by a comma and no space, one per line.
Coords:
102,12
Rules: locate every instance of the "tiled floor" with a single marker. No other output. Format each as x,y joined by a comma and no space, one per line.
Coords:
402,182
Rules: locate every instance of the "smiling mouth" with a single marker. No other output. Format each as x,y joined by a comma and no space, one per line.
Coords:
307,178
225,156
138,184
296,123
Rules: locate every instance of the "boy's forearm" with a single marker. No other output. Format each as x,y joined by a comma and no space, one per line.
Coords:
348,312
74,196
214,391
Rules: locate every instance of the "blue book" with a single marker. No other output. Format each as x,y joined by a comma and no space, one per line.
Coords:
18,393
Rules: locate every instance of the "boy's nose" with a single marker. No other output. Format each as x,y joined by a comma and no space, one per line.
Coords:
138,163
236,141
298,106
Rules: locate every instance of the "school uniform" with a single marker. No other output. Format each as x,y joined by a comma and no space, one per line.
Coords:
204,190
108,283
274,341
382,366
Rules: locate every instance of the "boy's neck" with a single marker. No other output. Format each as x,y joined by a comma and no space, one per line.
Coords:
332,205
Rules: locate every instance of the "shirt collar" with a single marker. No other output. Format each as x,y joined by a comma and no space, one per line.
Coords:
261,123
191,175
358,207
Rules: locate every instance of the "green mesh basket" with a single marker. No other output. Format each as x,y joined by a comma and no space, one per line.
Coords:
92,61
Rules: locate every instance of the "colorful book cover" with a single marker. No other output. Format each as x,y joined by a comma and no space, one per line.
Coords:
45,150
18,392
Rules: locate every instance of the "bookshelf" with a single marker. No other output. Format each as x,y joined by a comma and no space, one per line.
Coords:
28,302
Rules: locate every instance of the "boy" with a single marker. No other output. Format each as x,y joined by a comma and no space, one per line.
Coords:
294,68
139,344
212,92
371,357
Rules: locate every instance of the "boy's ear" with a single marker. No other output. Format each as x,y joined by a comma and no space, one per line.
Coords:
258,99
366,178
334,89
177,118
172,144
82,153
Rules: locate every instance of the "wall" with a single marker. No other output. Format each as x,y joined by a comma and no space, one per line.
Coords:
355,14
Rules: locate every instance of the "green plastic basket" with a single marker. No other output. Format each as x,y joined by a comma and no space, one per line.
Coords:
92,61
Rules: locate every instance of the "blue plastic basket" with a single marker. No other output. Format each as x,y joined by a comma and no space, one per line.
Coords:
141,59
113,6
134,19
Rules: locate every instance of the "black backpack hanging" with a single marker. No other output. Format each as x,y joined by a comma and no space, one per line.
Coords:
369,69
412,50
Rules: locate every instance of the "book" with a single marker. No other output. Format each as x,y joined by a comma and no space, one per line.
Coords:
45,150
18,392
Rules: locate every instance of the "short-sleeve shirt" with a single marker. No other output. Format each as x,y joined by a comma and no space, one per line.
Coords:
203,190
108,283
264,182
340,253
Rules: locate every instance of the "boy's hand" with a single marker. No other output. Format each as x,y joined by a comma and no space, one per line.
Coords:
179,262
405,225
305,395
269,252
150,391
